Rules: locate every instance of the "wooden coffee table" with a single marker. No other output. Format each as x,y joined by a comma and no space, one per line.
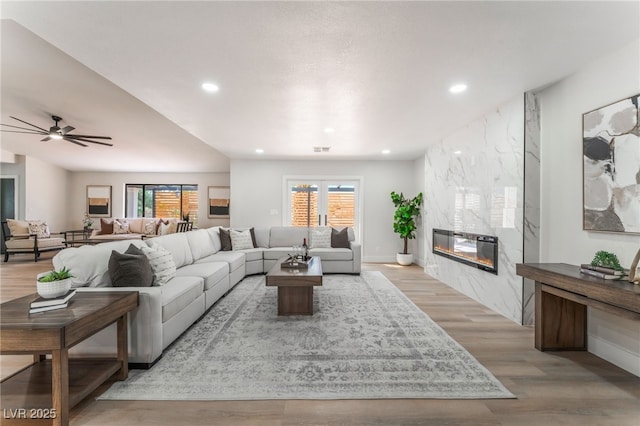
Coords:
295,286
46,390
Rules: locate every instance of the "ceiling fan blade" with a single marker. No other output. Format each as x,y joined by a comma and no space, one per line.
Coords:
48,138
74,141
87,140
88,136
23,128
67,129
18,131
32,125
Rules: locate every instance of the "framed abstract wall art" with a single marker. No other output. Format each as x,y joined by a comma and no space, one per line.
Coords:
219,200
99,200
611,167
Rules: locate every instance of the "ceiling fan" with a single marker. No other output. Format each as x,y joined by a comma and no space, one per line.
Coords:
56,133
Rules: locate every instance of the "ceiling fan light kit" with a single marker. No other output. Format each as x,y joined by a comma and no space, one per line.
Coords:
56,133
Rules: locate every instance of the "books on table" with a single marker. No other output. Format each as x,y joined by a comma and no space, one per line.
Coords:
602,272
42,305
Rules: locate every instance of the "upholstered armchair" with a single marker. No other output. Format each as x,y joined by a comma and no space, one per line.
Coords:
21,236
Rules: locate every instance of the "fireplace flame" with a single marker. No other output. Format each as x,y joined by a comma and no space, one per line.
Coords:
465,256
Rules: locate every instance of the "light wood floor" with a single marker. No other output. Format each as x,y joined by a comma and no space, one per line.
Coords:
570,388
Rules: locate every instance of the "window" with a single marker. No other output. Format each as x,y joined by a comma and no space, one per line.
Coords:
317,202
168,201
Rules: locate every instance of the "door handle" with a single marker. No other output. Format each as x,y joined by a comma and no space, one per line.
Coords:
325,220
319,219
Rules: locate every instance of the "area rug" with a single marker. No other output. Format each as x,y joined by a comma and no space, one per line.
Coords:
366,340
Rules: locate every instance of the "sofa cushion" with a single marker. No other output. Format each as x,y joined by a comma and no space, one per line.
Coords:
253,254
135,225
109,237
320,237
41,229
18,227
235,259
262,237
241,240
201,243
211,272
340,239
162,264
27,243
287,236
106,227
225,239
214,234
275,253
88,264
178,245
332,253
130,269
178,293
121,226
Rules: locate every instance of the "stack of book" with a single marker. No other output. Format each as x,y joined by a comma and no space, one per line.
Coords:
602,272
42,305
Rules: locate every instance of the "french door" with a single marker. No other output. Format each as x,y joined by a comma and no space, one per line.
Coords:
318,202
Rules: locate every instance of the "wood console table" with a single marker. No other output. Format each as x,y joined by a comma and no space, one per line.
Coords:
562,297
44,392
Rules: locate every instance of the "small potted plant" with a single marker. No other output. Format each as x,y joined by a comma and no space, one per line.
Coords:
87,222
407,209
54,283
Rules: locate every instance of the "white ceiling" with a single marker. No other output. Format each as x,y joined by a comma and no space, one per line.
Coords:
376,72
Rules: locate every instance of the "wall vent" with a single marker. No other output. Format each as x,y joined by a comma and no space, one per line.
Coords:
321,148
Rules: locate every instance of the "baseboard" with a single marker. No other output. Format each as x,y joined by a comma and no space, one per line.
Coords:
379,259
615,354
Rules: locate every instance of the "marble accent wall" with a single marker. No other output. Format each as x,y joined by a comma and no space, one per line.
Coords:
531,200
474,182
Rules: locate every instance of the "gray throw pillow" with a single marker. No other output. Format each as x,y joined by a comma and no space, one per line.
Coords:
225,239
340,239
130,270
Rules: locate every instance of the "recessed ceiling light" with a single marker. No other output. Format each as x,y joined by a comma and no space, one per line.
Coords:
329,130
259,151
457,152
458,88
210,87
386,151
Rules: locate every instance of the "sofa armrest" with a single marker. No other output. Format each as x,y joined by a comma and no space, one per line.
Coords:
145,326
357,256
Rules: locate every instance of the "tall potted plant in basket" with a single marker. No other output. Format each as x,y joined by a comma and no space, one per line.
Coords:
407,209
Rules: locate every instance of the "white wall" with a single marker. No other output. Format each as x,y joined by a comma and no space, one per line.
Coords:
79,181
562,238
45,193
257,190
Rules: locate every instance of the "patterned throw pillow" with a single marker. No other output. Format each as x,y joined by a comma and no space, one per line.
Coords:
162,264
149,227
41,229
241,240
321,238
120,227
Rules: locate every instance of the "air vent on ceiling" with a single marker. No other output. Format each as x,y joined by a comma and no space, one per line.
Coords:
321,148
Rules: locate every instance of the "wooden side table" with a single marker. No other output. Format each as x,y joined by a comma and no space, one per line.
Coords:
47,389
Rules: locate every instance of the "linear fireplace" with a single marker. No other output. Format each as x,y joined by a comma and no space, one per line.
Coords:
480,251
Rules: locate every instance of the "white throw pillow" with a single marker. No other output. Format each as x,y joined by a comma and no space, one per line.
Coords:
41,229
120,227
162,264
241,240
321,237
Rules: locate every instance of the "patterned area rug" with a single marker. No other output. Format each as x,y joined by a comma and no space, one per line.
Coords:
366,340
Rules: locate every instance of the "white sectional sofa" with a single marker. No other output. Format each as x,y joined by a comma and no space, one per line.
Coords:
204,273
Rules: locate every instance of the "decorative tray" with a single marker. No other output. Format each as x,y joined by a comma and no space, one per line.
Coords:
296,263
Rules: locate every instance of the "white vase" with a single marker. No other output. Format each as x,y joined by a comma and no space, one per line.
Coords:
404,259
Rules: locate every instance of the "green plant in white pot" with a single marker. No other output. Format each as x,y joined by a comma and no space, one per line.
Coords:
54,283
404,224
